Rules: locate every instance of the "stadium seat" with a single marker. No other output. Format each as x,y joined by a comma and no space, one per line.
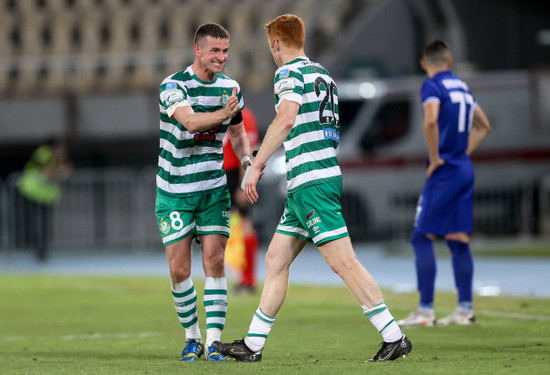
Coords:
7,47
31,42
112,44
60,25
57,6
84,6
57,59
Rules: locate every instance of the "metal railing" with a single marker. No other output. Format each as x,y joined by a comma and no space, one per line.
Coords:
99,208
114,208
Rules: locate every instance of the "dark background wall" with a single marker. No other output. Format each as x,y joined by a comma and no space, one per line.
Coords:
374,39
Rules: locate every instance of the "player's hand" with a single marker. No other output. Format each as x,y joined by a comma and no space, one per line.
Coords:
432,167
232,106
250,192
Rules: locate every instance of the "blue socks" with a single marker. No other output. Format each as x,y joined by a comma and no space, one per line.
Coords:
425,267
463,267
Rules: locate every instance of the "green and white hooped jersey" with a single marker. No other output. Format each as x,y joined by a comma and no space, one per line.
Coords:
192,163
310,147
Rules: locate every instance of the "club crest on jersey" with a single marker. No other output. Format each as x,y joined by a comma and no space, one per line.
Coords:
164,226
224,98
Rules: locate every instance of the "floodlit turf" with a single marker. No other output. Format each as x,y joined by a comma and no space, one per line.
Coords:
100,325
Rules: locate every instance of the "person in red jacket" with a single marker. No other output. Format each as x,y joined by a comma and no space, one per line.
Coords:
234,172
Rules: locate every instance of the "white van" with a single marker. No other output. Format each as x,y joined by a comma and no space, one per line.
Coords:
382,153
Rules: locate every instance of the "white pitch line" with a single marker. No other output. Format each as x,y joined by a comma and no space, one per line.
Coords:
509,315
498,314
91,336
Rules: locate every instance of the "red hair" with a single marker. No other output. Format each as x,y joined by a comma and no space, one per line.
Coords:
289,28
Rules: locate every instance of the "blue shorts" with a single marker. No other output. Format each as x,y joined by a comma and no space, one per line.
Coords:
447,201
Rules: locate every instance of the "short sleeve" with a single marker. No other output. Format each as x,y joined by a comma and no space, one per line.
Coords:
172,96
430,92
239,96
289,85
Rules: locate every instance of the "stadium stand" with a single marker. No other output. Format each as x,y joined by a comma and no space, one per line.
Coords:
83,46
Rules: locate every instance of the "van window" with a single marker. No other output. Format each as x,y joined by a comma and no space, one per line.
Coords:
347,110
389,124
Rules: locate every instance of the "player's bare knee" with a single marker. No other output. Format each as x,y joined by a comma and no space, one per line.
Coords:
460,237
342,267
418,238
179,274
214,260
275,263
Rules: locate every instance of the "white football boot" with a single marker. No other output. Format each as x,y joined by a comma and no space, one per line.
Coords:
419,318
461,317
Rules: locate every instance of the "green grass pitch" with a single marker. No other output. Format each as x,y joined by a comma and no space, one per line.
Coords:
127,325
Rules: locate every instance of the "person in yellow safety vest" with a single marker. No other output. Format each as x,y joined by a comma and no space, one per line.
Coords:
39,185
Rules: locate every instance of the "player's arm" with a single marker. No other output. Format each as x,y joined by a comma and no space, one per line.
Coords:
276,134
480,128
431,134
200,122
239,142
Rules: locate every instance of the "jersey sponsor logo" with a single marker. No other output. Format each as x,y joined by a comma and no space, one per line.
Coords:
283,85
331,134
164,226
209,135
170,97
313,221
284,73
227,215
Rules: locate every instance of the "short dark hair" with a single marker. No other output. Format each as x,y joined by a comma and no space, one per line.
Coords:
436,52
210,29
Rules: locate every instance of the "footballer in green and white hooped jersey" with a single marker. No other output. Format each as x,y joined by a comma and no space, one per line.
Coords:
310,147
310,151
197,106
190,165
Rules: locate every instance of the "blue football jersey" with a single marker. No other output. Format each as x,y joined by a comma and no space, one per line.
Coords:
456,111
